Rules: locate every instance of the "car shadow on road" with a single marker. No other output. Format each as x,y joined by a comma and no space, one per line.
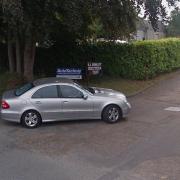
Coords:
9,124
60,123
72,122
78,122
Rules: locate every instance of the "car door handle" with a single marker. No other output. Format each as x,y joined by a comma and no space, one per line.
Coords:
65,101
38,102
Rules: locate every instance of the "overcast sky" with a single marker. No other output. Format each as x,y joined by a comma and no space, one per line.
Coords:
167,7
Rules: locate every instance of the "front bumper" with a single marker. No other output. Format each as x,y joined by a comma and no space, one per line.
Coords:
126,109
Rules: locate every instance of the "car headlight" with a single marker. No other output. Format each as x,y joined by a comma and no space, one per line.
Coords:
123,97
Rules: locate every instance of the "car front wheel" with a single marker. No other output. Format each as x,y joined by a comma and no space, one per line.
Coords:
111,114
31,119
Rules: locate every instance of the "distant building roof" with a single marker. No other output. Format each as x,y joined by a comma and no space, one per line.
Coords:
145,25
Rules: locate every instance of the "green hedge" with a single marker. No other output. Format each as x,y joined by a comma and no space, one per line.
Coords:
139,60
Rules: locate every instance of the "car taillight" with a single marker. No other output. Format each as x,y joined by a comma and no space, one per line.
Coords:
5,105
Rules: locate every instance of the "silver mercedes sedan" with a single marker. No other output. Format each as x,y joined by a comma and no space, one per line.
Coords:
54,99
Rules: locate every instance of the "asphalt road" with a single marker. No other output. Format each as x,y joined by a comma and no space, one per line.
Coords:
146,146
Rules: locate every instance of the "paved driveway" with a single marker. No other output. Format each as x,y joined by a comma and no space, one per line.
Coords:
144,147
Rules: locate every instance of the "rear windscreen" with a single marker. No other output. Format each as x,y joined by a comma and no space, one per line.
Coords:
23,89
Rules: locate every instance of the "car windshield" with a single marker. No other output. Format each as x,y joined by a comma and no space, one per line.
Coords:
86,88
23,89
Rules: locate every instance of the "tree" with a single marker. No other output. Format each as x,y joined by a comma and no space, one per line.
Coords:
26,23
118,17
154,9
173,28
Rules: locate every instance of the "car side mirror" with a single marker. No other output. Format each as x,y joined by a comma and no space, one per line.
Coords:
85,96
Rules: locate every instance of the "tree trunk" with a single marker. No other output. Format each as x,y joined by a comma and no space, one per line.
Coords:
18,56
29,55
11,57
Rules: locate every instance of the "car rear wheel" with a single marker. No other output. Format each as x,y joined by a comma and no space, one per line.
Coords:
31,119
111,114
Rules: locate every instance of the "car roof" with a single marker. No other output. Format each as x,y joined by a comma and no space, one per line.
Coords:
51,80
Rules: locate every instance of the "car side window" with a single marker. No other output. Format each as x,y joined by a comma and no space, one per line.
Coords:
46,92
70,92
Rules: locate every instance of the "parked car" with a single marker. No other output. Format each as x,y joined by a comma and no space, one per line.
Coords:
54,99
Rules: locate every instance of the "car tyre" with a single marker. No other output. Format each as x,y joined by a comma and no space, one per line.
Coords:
31,119
112,114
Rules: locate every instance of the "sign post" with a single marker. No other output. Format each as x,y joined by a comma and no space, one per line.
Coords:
69,73
93,69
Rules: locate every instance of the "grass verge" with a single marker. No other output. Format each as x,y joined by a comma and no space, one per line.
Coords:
128,87
131,87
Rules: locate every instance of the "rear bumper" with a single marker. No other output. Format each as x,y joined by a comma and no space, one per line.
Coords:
9,116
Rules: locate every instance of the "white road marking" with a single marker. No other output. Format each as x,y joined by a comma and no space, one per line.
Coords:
176,109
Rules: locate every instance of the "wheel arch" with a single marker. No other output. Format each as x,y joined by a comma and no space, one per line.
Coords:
28,111
112,104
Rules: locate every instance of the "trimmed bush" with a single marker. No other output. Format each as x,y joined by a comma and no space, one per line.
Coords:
138,60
